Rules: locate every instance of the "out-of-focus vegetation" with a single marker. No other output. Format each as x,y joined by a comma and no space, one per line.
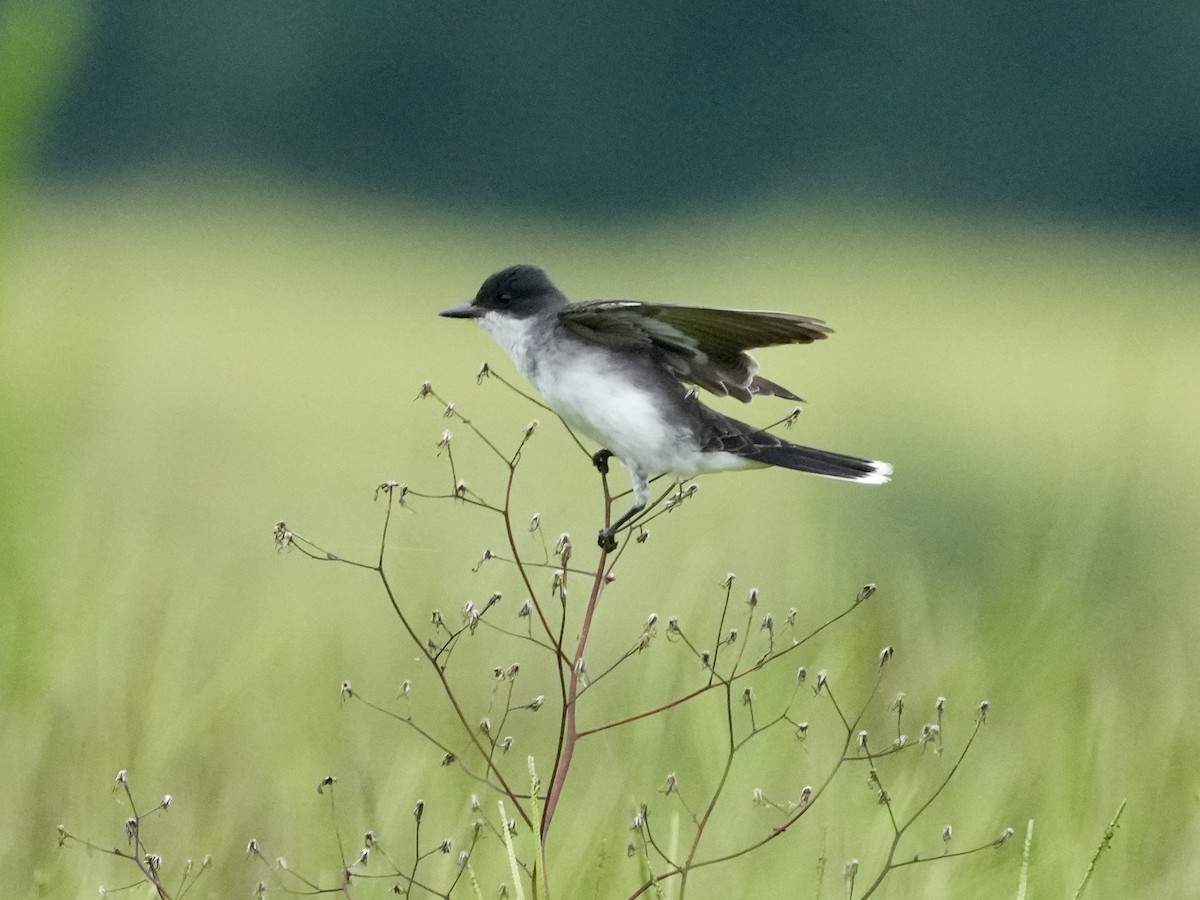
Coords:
183,366
185,359
610,108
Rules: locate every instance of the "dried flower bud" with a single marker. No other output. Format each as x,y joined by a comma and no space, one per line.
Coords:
802,730
448,759
525,610
537,702
821,679
425,391
727,581
122,777
865,592
1004,836
947,833
485,725
165,802
885,656
445,846
983,710
752,598
531,428
806,795
768,623
671,785
535,522
347,691
790,618
940,705
327,781
705,659
506,744
363,856
850,870
252,847
406,687
758,798
748,696
801,675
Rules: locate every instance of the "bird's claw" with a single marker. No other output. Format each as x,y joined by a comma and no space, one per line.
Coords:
607,541
600,460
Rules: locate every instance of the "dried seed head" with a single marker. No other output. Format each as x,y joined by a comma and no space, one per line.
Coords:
531,428
485,725
822,676
252,847
790,618
802,730
651,620
347,691
752,598
475,805
463,856
884,797
898,703
731,638
768,623
947,833
535,522
983,710
153,861
445,846
425,391
537,702
122,777
525,610
806,795
448,412
747,696
705,659
850,870
506,744
727,581
165,802
370,840
406,687
1004,836
484,372
801,675
862,739
448,759
671,785
642,536
865,592
327,781
363,856
940,705
758,798
446,438
419,810
514,670
885,656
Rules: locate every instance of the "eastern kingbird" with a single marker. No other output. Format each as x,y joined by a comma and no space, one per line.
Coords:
619,370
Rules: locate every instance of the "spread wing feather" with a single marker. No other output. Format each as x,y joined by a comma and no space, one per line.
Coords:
702,346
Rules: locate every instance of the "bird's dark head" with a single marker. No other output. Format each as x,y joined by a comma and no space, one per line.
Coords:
518,291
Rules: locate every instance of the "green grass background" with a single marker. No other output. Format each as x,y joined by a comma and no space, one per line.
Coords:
182,364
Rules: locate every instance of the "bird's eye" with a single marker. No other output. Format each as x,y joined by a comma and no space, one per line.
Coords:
504,300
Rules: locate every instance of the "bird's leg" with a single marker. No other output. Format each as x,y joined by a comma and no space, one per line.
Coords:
641,496
600,460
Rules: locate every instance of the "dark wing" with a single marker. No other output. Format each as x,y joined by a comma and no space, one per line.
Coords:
702,346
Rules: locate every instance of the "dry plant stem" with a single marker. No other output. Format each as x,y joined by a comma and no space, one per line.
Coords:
570,733
899,830
691,695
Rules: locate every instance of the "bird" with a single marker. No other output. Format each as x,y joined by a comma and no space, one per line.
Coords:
625,373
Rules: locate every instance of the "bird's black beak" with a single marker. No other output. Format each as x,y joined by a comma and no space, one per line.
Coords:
466,310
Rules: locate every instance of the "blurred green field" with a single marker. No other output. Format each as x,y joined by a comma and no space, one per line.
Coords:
183,365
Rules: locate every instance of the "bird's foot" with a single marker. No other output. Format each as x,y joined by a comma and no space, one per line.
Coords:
600,460
607,540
